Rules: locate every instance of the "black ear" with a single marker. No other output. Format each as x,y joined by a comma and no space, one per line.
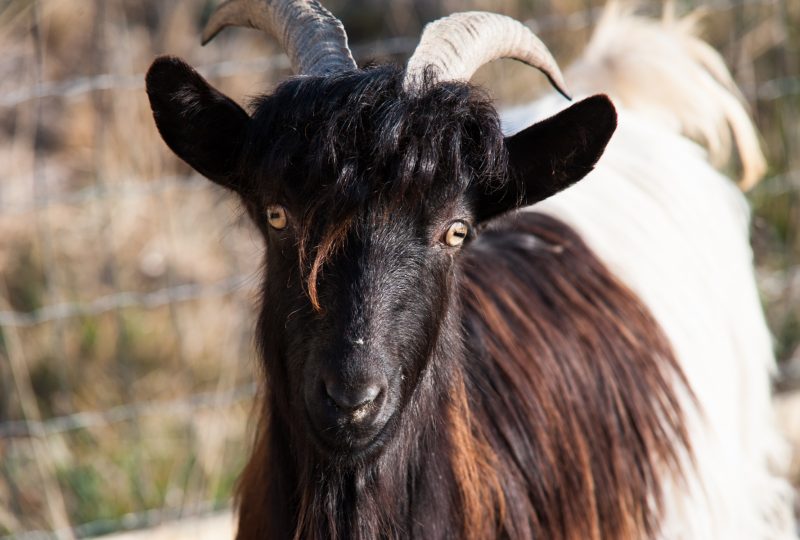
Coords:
551,155
205,128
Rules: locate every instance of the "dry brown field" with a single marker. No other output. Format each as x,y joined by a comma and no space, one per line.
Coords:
126,281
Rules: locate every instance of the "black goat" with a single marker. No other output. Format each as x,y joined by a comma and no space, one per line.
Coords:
435,366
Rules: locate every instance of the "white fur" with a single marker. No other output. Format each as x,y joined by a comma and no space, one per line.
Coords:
676,232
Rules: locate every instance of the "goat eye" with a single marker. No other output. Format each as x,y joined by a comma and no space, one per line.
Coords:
276,216
456,234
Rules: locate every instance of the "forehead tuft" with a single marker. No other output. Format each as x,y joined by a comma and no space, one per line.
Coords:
355,136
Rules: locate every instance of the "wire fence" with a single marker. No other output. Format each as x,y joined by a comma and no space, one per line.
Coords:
92,419
120,300
127,292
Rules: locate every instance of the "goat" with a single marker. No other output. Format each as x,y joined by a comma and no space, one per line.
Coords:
437,364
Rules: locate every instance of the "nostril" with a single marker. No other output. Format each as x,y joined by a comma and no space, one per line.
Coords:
352,398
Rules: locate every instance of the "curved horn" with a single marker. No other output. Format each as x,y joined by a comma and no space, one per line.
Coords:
456,46
313,38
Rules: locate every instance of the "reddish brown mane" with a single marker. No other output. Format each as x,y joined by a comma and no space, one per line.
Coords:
573,383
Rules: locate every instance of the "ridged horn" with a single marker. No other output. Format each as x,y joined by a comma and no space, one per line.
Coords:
312,37
454,47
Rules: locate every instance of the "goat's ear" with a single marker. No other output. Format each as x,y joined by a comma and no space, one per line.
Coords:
551,155
202,126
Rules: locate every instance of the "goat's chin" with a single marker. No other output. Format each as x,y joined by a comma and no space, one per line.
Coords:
351,447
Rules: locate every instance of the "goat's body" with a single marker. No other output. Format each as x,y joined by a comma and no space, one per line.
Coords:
675,231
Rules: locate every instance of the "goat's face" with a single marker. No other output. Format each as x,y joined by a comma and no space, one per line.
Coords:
365,197
355,338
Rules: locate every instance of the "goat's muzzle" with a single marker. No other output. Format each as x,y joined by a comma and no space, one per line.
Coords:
347,415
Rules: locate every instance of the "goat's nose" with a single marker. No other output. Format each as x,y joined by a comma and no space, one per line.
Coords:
352,397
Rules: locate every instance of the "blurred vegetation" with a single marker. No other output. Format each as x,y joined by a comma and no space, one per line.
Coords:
92,204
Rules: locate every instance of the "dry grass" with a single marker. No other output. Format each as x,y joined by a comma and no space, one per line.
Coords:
92,204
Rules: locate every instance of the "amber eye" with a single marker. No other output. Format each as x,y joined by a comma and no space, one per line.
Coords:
276,215
456,234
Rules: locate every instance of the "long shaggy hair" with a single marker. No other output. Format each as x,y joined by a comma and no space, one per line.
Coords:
573,383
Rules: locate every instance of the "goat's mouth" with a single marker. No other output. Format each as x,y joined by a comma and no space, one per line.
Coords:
348,441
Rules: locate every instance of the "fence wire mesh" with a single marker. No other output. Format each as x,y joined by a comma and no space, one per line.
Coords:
127,291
